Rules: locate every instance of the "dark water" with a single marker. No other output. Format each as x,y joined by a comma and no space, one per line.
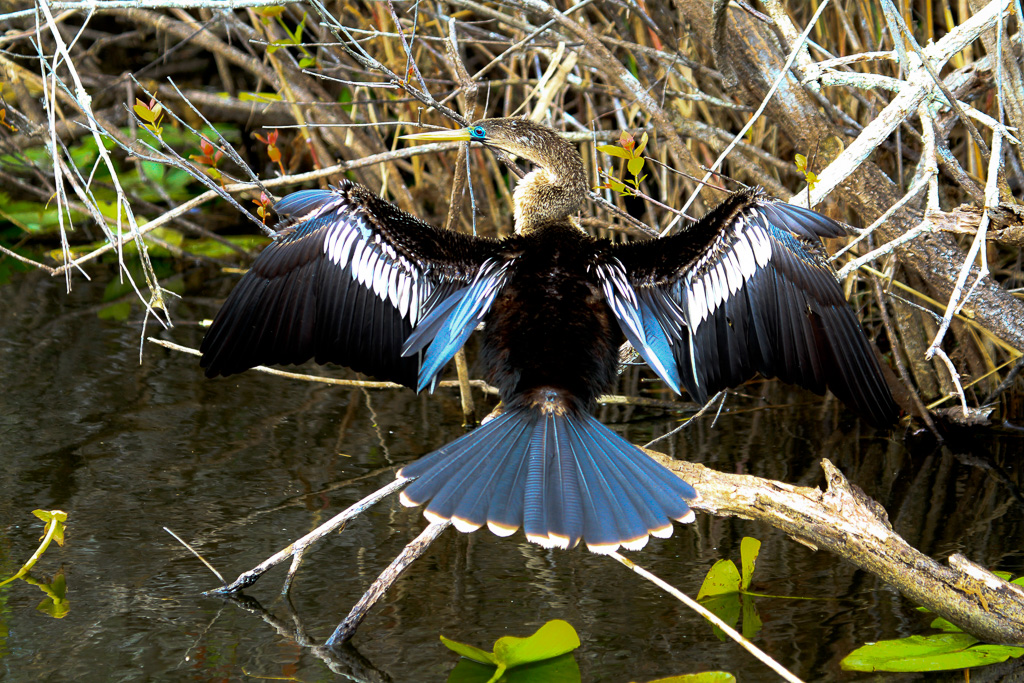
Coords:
240,467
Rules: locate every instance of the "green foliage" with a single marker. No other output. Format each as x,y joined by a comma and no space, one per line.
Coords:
562,669
151,115
809,176
724,591
939,652
55,603
547,645
632,154
946,651
269,14
703,677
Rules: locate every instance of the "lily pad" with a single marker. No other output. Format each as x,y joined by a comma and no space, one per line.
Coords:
940,652
550,641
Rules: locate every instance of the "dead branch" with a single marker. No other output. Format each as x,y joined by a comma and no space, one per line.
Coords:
844,521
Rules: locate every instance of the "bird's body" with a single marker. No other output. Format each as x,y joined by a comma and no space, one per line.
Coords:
354,280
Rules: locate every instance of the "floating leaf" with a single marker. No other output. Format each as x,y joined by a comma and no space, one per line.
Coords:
55,603
722,579
553,639
469,651
726,607
941,652
703,677
751,619
749,549
563,669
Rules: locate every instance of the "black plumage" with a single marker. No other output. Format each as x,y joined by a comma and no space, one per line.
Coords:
352,279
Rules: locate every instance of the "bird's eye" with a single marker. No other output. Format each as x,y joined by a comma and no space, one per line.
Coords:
478,132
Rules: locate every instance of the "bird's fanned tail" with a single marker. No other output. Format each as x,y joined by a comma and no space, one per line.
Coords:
557,472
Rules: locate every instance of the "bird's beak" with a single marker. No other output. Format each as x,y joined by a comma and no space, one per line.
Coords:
460,134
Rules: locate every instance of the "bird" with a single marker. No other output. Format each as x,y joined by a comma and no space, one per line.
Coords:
351,279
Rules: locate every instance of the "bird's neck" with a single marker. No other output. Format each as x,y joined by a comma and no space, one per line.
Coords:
549,194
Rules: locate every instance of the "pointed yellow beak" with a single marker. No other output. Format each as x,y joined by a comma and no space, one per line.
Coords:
460,134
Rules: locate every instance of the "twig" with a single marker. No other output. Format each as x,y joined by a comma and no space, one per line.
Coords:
199,557
918,84
763,657
347,628
794,51
250,577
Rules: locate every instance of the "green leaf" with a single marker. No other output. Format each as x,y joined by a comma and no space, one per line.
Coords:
554,638
215,249
941,652
259,97
144,112
118,312
468,671
307,62
563,669
614,151
55,603
549,642
469,652
703,677
726,607
751,619
723,578
749,549
643,143
153,170
947,626
635,165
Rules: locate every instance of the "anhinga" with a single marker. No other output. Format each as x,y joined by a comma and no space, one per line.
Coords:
352,279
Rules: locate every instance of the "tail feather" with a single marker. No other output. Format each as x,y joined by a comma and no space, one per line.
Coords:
644,482
634,518
559,474
443,476
505,509
606,500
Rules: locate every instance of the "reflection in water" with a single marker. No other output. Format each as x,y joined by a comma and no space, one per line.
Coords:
240,467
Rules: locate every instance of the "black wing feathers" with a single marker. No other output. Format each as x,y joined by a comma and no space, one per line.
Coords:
346,280
746,290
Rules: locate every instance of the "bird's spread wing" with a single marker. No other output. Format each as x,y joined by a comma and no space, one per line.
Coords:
747,290
445,329
347,279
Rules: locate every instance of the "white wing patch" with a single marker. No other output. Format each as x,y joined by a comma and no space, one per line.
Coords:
373,263
620,296
734,259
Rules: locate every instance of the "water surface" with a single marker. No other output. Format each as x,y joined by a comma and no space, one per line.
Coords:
241,466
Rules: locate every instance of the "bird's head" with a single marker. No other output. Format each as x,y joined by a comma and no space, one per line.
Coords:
552,192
